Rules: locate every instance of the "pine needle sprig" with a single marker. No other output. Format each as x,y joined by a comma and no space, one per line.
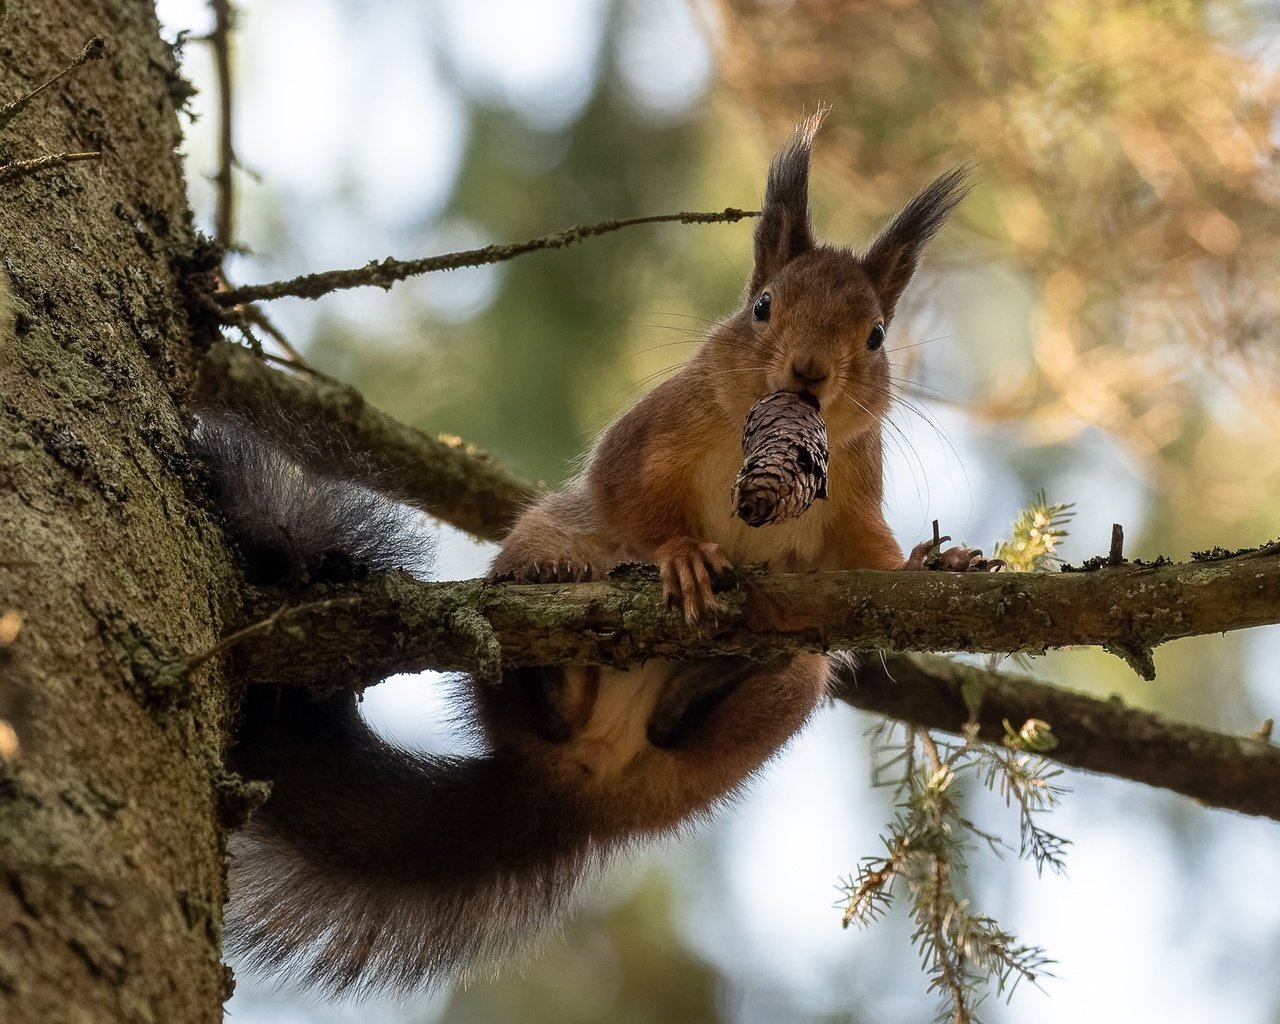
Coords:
963,953
1035,535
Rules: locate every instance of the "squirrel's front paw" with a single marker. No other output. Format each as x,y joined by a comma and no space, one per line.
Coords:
556,570
957,559
690,574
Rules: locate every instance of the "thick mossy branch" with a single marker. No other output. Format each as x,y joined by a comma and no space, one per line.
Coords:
398,625
1237,772
451,480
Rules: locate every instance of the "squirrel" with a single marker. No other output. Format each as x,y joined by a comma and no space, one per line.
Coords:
371,867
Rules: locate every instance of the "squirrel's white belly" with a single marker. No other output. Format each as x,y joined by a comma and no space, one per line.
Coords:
794,545
616,732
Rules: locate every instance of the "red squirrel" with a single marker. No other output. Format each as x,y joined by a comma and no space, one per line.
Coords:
374,867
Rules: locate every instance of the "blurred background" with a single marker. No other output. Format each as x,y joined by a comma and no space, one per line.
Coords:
1099,321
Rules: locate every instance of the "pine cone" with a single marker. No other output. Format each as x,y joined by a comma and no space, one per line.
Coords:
784,445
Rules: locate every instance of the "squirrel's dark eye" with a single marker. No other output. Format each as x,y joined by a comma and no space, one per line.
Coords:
876,338
761,309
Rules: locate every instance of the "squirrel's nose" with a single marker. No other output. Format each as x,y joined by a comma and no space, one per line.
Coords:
809,370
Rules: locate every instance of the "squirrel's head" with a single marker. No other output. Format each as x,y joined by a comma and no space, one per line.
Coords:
816,316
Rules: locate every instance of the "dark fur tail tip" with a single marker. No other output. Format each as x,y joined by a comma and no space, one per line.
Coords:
296,524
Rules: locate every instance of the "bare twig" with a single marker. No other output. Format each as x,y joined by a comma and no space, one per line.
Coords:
254,315
302,367
930,748
241,317
223,179
21,168
284,613
94,49
219,39
389,271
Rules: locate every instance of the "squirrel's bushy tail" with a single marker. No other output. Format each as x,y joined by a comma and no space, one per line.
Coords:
369,867
302,506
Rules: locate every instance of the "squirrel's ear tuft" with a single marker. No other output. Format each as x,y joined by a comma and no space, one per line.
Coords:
895,253
783,233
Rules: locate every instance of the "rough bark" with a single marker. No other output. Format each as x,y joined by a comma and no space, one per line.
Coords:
111,879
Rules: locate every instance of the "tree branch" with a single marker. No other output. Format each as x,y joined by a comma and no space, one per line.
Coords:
364,631
1236,772
394,624
224,178
399,625
389,271
452,480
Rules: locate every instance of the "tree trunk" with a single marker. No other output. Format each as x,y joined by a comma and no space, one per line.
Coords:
110,567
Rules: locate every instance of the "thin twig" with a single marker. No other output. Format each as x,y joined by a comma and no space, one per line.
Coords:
930,748
21,168
254,315
282,614
948,957
305,368
223,180
242,317
390,271
224,21
94,49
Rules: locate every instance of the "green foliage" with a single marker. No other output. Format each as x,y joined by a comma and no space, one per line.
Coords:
926,846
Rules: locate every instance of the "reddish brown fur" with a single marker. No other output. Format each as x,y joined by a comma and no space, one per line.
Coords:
656,490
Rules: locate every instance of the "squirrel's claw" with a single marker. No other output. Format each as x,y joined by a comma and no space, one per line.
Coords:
961,559
691,573
955,559
563,570
919,557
